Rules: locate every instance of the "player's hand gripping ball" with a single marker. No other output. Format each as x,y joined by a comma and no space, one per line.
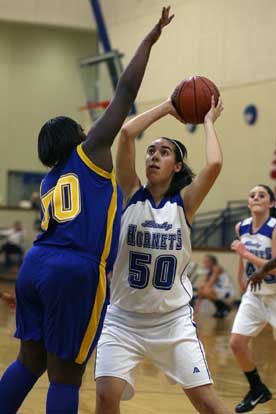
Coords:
192,98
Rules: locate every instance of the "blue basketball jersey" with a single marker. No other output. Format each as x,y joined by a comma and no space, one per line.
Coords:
81,209
61,290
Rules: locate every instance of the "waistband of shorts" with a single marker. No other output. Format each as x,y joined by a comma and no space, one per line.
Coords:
114,313
66,250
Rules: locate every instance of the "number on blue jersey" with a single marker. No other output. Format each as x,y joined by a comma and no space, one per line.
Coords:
64,200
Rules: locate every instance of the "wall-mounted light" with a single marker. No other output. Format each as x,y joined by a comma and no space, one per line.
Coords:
191,128
250,114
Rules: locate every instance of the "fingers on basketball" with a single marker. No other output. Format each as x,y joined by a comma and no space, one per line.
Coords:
192,98
213,102
220,104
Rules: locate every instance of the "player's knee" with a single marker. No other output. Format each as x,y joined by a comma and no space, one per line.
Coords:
236,344
37,367
106,401
65,372
33,356
206,401
107,398
40,368
210,407
61,375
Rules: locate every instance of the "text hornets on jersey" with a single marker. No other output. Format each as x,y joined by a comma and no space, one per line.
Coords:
154,240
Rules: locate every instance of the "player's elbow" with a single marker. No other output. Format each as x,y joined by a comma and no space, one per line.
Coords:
215,167
124,133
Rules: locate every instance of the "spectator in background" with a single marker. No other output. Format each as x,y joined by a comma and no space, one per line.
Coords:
217,287
35,201
14,243
37,226
8,299
35,204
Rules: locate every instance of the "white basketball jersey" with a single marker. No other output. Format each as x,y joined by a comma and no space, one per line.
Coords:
259,244
224,281
150,272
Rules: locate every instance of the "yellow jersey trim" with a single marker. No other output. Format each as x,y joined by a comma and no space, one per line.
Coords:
91,164
95,318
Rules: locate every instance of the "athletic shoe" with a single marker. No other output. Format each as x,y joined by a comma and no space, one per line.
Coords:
253,398
221,313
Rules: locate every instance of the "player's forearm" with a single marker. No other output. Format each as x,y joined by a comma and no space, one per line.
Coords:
212,281
132,77
210,284
242,285
105,129
257,261
102,134
268,266
141,122
213,149
241,281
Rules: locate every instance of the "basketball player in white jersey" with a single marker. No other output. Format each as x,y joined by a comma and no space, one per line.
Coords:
256,246
149,313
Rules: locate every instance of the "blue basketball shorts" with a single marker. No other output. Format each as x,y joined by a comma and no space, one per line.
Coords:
61,299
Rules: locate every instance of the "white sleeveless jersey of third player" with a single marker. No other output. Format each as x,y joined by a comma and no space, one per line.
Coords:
150,272
259,244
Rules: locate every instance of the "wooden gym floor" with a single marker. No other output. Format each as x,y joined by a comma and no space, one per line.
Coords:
154,395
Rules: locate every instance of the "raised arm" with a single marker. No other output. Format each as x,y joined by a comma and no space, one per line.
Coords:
125,158
195,193
102,134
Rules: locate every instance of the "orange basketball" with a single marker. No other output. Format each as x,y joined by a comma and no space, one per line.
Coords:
192,98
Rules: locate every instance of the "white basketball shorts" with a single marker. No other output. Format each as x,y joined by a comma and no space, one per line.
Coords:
254,313
223,293
169,341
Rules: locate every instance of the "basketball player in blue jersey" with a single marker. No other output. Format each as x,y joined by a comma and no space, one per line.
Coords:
61,290
150,315
256,246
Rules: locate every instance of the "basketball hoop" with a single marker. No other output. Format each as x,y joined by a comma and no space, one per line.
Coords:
95,108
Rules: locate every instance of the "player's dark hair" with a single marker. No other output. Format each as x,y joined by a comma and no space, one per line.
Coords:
56,140
212,259
272,198
185,176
